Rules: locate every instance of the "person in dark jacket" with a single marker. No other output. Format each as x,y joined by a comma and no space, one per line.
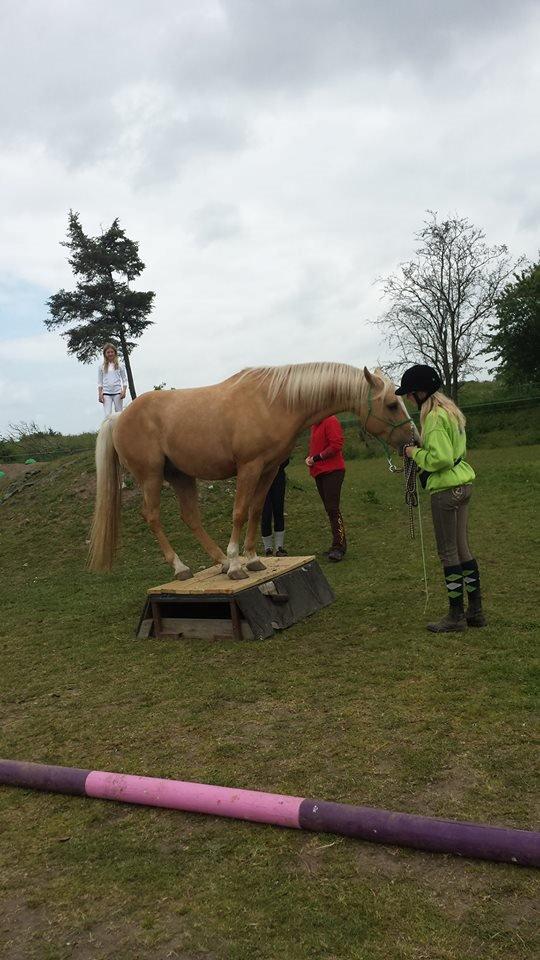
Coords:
274,510
327,467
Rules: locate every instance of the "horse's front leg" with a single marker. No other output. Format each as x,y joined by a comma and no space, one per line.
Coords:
246,485
254,519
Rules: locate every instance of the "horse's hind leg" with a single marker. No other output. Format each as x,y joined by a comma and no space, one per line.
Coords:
185,489
151,490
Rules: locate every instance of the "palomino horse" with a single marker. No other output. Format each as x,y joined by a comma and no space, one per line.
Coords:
245,426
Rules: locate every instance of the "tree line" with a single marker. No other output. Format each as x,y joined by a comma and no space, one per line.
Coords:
457,302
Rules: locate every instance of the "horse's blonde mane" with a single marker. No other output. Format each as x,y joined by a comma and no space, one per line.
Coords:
314,383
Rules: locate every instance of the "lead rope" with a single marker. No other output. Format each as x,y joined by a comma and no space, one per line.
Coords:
411,493
410,471
423,552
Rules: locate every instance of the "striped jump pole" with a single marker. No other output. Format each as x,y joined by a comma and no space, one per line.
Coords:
367,823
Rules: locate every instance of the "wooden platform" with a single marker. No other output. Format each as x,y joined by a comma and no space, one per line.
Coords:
212,580
210,606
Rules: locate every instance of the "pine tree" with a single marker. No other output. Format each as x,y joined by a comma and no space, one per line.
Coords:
103,307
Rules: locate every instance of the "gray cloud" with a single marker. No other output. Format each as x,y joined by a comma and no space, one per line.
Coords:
215,222
66,66
272,158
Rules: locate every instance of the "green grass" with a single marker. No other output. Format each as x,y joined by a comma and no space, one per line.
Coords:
490,391
27,441
358,704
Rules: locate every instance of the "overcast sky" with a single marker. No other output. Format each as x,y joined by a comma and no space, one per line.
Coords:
272,157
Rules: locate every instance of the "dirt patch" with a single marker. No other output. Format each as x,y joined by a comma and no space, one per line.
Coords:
385,861
457,886
21,482
311,856
130,493
28,931
105,941
15,470
448,792
20,924
19,472
85,485
522,913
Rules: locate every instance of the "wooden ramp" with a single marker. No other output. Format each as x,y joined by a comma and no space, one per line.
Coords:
210,606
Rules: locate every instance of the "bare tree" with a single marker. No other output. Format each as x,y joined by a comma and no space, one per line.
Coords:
441,301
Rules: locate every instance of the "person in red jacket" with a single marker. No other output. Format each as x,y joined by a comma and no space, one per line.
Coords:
327,466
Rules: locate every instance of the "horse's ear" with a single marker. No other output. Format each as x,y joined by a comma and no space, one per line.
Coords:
373,381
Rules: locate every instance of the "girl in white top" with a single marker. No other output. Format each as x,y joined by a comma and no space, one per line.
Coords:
112,382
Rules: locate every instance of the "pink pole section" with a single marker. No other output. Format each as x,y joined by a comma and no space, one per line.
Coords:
195,797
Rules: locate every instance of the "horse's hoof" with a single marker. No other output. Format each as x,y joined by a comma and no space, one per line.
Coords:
225,566
238,574
255,565
183,575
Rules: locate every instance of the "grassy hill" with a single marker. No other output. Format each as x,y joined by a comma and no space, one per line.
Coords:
358,704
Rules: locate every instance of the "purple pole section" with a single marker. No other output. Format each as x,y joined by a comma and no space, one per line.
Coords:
382,826
43,776
425,833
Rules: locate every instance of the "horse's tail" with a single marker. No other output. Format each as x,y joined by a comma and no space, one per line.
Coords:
106,522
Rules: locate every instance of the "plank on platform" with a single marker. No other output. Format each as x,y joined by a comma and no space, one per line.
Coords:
212,581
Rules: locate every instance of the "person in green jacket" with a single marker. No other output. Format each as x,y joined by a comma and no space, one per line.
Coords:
448,477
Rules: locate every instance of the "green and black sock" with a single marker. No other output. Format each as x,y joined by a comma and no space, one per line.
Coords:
453,577
471,579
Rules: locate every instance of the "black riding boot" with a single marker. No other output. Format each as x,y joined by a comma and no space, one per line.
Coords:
471,583
455,620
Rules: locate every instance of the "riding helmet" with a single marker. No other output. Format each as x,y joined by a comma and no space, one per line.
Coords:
419,377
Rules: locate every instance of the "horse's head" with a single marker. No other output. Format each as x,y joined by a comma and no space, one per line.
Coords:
384,415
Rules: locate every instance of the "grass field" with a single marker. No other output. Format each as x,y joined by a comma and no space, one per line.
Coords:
358,704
